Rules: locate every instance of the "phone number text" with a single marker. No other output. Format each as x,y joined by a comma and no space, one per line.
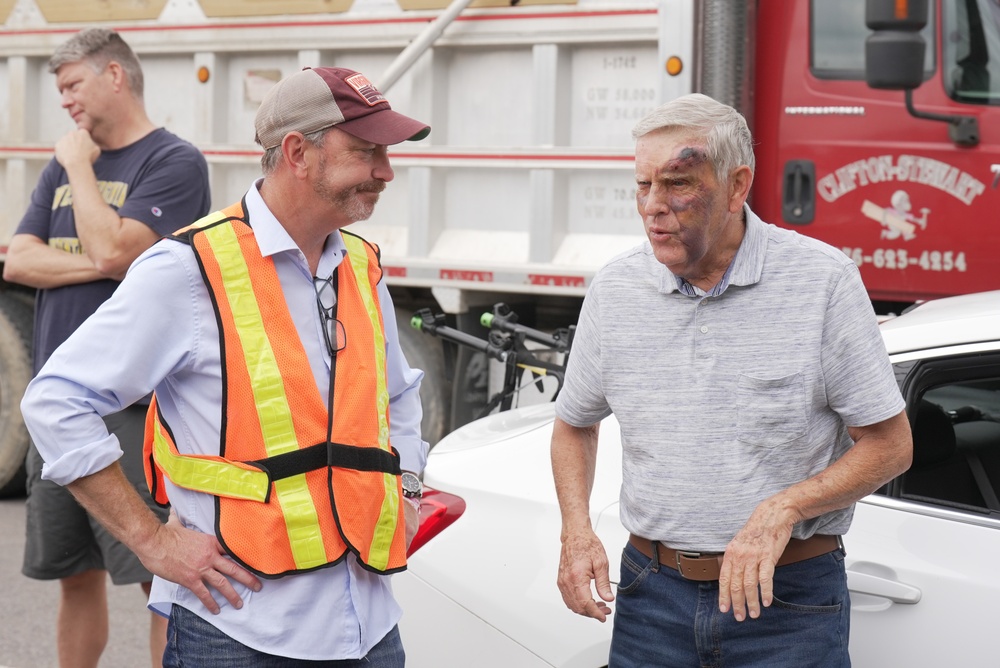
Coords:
898,258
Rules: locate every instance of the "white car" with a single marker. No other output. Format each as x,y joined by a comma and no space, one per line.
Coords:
923,553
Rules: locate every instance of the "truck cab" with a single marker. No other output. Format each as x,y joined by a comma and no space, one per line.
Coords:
910,200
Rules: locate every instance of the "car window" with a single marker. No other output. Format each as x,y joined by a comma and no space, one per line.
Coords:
972,50
956,436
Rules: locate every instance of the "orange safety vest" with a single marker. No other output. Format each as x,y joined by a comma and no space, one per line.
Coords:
287,499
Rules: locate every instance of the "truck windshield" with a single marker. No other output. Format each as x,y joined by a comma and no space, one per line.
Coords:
838,39
971,50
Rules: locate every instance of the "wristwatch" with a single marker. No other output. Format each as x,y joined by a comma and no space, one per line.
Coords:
412,487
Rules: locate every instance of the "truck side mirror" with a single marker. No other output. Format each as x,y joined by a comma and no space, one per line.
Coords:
894,60
894,53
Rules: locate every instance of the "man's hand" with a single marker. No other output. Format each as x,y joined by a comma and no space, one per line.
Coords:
197,561
76,147
750,560
881,451
189,558
582,561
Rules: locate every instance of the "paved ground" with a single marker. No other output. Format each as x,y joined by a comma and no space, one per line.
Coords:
28,609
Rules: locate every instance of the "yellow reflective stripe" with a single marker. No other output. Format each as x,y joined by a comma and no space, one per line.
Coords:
385,528
277,428
304,536
206,475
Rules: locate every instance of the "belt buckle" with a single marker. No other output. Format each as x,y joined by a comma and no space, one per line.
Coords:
687,555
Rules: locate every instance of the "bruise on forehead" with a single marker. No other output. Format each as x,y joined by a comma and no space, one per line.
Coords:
686,159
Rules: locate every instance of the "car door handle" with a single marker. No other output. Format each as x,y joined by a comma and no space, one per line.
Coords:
875,585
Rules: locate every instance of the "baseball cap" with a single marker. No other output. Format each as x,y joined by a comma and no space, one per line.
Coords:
321,97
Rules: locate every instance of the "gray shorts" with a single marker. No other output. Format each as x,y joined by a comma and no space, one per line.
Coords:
62,538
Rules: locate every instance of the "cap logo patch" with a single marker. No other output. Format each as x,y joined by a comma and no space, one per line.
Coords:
366,89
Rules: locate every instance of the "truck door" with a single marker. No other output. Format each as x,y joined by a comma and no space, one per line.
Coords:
851,166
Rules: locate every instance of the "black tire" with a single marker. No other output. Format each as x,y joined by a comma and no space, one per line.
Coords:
424,352
16,319
471,393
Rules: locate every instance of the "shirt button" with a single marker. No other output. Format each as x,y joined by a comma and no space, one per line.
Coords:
704,329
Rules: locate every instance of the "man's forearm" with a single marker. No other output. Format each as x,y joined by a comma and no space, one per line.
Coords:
880,453
111,500
189,558
97,225
40,266
574,462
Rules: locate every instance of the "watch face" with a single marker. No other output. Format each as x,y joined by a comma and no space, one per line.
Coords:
412,486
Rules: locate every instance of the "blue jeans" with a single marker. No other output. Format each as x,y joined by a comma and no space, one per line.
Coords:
194,643
665,621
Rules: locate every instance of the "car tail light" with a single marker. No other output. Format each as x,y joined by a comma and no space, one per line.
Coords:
438,510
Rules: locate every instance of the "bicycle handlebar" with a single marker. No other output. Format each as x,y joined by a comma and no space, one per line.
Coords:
506,324
506,345
426,322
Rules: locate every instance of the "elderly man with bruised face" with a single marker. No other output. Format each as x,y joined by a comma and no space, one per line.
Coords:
756,404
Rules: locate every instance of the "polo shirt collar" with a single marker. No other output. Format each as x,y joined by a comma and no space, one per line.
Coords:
746,266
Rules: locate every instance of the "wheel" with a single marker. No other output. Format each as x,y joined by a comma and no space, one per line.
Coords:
15,371
472,377
424,352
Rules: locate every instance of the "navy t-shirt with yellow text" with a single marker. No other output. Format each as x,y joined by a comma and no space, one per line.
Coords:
160,180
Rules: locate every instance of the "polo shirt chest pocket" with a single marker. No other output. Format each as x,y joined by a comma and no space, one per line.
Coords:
770,411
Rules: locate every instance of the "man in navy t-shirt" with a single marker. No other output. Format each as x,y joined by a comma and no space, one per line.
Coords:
116,185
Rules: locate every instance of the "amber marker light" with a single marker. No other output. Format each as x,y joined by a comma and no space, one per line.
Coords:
674,66
203,74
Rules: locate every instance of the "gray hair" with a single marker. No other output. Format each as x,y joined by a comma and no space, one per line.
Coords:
729,142
97,47
272,156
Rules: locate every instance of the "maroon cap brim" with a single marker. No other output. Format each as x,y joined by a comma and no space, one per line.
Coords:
385,127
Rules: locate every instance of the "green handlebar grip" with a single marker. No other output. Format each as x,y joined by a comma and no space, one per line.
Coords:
416,322
486,320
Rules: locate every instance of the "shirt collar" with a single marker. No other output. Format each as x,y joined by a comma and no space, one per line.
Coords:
748,265
744,269
272,238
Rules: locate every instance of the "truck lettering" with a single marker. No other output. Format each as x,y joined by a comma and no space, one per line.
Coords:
467,275
899,258
635,94
907,168
631,113
597,95
556,281
597,113
619,62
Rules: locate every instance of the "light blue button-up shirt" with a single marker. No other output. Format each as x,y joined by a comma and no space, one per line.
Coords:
159,331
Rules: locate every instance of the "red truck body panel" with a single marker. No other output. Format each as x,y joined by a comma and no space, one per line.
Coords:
918,213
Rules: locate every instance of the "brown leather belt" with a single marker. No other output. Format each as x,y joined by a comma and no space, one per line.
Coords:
704,566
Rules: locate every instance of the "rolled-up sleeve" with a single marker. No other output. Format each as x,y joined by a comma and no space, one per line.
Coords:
114,359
